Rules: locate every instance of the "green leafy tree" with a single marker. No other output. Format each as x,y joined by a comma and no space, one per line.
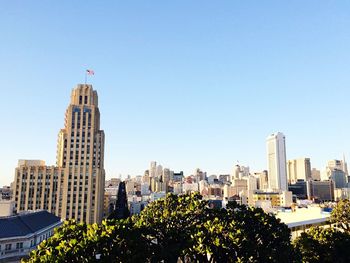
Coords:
175,228
185,227
112,241
243,234
341,215
168,224
324,245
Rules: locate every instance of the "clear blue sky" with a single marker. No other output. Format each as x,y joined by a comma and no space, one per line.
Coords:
187,83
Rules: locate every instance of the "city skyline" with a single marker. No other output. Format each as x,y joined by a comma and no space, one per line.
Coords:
183,84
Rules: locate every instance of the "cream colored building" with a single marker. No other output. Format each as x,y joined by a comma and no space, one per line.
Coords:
276,157
74,189
36,186
277,199
7,207
298,169
80,152
316,174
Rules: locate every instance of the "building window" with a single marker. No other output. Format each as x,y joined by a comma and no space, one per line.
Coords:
8,247
19,245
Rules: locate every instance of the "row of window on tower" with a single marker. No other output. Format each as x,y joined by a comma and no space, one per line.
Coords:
80,118
81,100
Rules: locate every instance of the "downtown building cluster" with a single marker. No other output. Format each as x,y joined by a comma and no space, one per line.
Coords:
267,189
75,188
284,184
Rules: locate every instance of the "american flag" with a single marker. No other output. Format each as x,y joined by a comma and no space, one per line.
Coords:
90,72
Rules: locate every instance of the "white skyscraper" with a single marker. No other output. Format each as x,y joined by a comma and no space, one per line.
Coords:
276,155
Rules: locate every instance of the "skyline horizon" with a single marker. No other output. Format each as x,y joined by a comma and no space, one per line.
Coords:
188,84
187,172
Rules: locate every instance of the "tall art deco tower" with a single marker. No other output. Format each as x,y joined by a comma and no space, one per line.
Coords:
80,153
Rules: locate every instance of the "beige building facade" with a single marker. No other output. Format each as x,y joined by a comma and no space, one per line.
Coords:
36,186
298,169
74,188
80,152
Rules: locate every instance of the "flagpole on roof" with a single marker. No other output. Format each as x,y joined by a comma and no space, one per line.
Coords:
88,72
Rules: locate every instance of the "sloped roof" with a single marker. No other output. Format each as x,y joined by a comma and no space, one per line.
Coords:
22,225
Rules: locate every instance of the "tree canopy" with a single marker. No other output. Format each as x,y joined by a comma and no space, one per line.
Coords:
341,215
184,228
323,245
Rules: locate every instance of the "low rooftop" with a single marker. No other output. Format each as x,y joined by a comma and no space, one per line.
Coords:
303,216
25,224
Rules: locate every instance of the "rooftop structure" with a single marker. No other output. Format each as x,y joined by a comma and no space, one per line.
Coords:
21,234
303,218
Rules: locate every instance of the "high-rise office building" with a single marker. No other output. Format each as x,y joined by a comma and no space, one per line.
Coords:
80,152
74,189
298,169
276,155
338,165
153,169
316,174
322,191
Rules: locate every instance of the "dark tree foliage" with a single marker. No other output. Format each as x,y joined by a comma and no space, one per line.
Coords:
242,234
324,245
169,224
176,228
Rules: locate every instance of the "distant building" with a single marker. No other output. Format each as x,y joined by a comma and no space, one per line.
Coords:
298,169
190,187
276,155
299,189
335,165
343,193
263,182
339,178
200,175
277,199
153,169
177,188
320,190
156,196
136,207
21,234
145,189
212,178
178,177
7,208
315,174
224,178
339,165
113,182
215,190
6,193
